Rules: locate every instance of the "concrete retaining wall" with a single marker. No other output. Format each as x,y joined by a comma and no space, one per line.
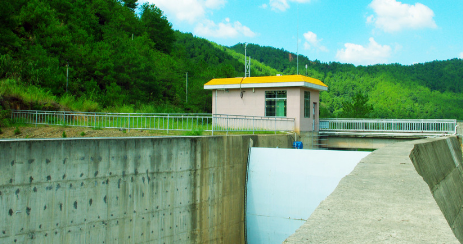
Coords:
439,162
126,190
460,133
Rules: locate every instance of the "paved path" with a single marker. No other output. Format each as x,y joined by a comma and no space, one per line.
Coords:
383,200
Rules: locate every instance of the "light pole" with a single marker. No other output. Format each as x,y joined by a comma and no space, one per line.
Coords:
67,76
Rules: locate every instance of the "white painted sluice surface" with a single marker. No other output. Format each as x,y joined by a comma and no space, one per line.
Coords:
286,185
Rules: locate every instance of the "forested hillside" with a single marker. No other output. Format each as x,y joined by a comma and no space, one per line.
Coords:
429,90
116,53
120,53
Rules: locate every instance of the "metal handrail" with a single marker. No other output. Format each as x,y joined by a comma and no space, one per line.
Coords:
390,125
155,121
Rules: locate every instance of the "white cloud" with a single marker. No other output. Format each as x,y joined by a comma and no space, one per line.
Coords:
226,29
357,54
461,55
313,41
196,11
188,10
307,46
283,5
264,6
370,19
215,4
393,16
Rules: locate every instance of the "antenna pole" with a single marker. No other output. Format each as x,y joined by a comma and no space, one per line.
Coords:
245,61
297,41
247,64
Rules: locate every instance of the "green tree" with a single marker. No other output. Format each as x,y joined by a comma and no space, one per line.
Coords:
358,108
131,4
157,26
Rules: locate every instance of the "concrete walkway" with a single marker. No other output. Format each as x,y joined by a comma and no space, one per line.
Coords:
384,200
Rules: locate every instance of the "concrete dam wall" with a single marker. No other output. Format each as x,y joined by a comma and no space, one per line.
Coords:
408,192
439,162
126,190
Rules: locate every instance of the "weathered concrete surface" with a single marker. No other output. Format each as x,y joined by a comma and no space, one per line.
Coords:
460,133
126,190
384,200
309,139
353,140
439,162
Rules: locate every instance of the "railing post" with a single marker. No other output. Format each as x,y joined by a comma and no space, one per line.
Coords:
212,124
36,117
168,123
128,126
275,125
253,125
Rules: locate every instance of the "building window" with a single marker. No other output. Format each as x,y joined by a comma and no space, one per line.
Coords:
275,103
306,104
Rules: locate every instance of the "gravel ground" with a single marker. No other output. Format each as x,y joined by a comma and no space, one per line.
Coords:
57,132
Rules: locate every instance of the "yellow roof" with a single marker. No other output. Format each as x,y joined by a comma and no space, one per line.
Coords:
265,79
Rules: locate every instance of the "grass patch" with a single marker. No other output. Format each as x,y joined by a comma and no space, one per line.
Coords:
82,133
64,134
194,132
17,131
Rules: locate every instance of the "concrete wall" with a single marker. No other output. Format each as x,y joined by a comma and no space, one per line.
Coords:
385,200
439,162
460,133
364,140
126,190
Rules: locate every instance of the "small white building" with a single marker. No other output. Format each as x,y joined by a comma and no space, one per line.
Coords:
291,96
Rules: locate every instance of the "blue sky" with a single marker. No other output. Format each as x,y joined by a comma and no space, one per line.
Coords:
361,32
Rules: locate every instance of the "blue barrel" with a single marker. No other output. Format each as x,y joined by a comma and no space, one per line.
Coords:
297,145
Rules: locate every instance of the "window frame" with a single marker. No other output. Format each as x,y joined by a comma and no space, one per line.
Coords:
271,98
307,107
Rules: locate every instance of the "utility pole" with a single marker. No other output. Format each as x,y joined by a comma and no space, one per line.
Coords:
67,76
186,91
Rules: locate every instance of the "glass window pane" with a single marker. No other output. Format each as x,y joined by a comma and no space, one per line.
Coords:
275,103
306,104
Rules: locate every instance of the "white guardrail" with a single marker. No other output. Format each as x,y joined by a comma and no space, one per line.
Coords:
155,121
446,126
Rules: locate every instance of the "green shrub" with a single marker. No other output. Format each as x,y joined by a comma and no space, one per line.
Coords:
4,117
82,133
194,132
1,132
17,131
64,134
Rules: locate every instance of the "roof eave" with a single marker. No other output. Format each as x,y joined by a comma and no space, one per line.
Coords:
268,85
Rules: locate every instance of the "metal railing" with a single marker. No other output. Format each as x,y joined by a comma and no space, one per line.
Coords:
155,121
446,126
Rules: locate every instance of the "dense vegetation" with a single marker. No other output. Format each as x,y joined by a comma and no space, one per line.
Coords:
123,56
115,52
429,90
